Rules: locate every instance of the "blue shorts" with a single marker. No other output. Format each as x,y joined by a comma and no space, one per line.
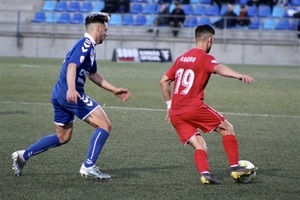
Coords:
64,111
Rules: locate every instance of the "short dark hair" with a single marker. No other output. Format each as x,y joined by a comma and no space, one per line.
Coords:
94,17
204,29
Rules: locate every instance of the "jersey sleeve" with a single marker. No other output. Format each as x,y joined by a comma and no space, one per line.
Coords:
210,62
80,51
171,73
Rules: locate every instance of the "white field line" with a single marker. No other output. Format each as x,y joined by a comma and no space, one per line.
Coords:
160,110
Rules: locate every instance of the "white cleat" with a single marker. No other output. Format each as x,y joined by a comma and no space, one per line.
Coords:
18,162
93,172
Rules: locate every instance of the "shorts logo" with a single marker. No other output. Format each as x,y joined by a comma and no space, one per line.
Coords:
86,100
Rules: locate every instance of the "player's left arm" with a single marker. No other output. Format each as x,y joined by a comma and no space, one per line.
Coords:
165,84
226,71
122,93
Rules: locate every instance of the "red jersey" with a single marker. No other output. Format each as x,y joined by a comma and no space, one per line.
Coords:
190,72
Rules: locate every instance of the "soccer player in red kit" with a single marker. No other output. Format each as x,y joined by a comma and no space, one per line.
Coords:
186,110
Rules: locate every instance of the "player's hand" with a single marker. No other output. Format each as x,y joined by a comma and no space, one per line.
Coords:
122,93
246,79
167,118
72,96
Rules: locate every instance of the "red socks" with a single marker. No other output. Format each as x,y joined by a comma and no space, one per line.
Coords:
230,145
201,161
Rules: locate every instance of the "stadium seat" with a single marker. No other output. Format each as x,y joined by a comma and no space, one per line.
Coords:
282,24
64,18
190,21
127,20
243,2
39,17
295,2
51,17
255,23
269,24
98,6
140,20
212,10
74,6
293,24
61,6
171,7
188,9
252,11
136,8
86,7
49,6
264,11
150,20
224,9
204,20
200,10
206,1
278,11
77,19
237,9
195,1
115,19
150,9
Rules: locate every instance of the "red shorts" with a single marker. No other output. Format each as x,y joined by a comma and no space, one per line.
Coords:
204,118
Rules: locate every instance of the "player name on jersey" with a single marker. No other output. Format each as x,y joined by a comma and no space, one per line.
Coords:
142,55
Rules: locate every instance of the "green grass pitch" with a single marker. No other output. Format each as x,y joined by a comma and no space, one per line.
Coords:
143,154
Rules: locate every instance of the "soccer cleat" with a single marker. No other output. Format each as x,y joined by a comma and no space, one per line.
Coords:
208,179
93,172
241,172
18,162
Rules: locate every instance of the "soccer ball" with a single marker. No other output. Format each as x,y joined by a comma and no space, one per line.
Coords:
248,165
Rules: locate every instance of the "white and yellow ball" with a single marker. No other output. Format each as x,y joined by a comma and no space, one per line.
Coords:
248,165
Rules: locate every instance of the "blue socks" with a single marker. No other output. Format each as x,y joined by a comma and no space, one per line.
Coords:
96,144
42,145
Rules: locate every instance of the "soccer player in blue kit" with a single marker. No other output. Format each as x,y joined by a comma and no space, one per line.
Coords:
69,100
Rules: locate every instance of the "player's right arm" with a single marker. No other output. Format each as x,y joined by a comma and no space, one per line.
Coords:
226,71
165,84
72,94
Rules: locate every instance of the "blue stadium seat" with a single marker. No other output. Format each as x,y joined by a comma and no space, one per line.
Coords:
49,6
140,20
295,2
136,8
282,24
195,1
269,24
224,9
64,18
150,9
51,17
188,9
212,10
278,11
264,11
252,11
115,19
243,2
293,24
98,6
74,6
39,17
171,7
127,20
204,20
86,7
77,18
206,1
237,9
150,20
200,10
190,21
61,6
255,23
